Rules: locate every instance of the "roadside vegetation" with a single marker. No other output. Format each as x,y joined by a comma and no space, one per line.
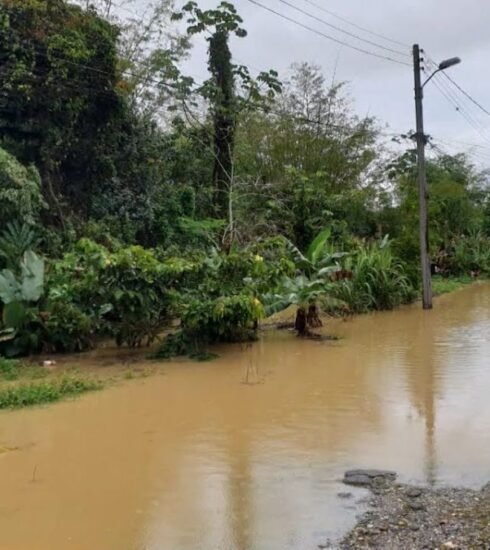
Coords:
23,384
133,196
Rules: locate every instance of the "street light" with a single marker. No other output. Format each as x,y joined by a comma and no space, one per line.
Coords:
422,177
443,65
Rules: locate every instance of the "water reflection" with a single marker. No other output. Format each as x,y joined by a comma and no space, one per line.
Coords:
245,453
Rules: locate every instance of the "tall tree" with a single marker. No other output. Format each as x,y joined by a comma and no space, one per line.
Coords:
230,91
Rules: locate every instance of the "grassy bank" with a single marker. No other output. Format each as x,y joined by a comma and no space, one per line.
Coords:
444,285
22,385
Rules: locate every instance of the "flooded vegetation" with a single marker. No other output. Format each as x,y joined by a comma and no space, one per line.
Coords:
154,226
248,451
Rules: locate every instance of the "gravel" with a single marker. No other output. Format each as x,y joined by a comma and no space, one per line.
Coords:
419,518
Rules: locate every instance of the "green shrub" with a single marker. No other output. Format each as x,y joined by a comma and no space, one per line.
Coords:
127,293
223,319
469,253
67,329
181,344
379,280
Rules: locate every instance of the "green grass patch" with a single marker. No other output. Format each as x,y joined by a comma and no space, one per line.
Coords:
443,285
12,369
24,395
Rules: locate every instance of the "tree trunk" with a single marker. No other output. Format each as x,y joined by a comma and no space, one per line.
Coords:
313,319
300,324
224,118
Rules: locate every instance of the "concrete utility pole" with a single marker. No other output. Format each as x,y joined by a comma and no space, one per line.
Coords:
422,181
421,139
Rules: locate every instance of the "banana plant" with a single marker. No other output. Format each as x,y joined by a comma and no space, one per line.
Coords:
319,259
18,293
26,288
314,281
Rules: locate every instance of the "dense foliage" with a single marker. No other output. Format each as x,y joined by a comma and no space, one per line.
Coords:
133,196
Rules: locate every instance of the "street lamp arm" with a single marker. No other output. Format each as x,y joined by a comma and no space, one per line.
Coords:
443,66
430,77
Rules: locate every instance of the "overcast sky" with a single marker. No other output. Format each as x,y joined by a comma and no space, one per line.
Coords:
444,28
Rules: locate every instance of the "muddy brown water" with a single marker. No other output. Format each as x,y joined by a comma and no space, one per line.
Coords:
246,452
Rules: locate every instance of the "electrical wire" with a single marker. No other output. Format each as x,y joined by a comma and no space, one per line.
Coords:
461,107
474,101
452,98
452,83
364,29
339,29
461,110
328,37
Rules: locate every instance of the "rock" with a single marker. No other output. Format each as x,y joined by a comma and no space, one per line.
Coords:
368,477
357,479
344,495
372,473
414,526
413,492
416,505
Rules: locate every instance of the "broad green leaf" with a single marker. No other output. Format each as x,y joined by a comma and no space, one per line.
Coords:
9,287
32,267
316,247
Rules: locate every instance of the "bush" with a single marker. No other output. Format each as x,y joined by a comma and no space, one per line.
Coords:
224,319
378,280
127,293
67,329
469,253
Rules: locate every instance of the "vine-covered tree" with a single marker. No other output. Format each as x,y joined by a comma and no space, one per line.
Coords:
59,83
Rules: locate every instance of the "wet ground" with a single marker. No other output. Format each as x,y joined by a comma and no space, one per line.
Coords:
247,452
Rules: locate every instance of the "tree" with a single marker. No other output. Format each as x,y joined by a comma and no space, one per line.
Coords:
313,156
221,90
59,83
20,191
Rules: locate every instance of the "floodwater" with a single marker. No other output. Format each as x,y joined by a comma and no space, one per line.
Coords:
246,452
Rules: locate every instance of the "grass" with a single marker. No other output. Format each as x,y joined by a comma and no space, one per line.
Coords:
11,369
22,385
444,285
24,395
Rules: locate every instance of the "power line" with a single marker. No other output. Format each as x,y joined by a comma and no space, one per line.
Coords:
459,109
328,37
339,29
460,142
452,96
474,101
458,87
345,20
478,157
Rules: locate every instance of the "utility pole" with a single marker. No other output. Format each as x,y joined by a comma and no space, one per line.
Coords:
422,183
